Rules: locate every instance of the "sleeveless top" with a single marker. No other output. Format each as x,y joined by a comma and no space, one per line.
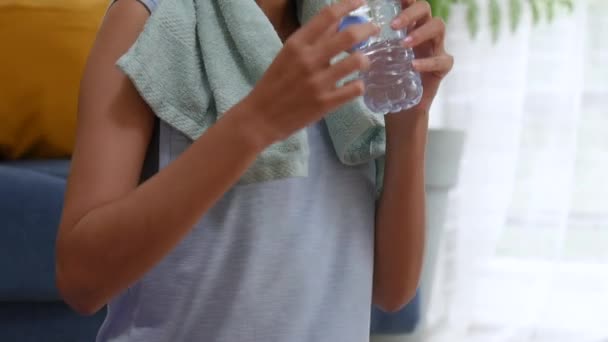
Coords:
289,260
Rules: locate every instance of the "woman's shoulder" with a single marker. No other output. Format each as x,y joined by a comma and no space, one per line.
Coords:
150,4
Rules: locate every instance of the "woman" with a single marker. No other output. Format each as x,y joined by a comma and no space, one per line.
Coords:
190,256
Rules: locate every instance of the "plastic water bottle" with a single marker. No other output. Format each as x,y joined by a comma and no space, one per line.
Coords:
391,84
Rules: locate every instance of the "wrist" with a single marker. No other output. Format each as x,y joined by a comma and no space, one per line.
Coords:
407,125
246,124
406,137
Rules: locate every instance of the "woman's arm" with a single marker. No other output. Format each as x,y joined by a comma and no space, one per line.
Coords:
113,231
400,217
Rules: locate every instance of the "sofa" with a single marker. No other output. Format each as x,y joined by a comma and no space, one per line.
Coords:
44,49
31,310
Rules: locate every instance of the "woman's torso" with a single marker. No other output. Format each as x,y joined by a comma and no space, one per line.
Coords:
287,260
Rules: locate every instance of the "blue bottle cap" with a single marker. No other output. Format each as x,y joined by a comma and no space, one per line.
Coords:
353,20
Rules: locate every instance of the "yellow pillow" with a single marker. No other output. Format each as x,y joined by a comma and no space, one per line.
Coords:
43,48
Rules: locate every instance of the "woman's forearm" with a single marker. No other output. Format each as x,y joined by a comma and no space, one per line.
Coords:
400,217
115,244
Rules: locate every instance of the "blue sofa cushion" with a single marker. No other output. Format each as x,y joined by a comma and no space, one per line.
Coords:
404,321
52,167
31,197
46,322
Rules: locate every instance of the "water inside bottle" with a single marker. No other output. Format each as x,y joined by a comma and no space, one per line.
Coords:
391,83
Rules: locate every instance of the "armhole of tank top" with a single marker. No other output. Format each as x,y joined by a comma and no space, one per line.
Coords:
140,1
151,161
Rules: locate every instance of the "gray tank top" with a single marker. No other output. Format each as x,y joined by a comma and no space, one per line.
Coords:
289,260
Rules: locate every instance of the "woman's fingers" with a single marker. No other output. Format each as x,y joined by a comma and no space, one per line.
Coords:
349,65
330,32
344,94
345,40
432,30
326,19
441,64
417,12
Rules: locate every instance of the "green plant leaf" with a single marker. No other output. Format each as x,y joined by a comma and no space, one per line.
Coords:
515,14
443,9
568,4
447,11
472,17
535,9
433,4
495,18
550,4
540,9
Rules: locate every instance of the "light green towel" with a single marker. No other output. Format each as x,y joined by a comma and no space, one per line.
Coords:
196,59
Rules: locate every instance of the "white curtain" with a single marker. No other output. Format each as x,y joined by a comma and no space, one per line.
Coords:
525,253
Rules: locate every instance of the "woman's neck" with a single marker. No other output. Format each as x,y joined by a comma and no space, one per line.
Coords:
282,14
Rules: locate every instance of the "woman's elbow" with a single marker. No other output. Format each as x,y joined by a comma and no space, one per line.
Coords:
75,292
393,300
78,297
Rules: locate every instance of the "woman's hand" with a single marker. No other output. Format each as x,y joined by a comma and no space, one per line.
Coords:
400,217
300,85
426,35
